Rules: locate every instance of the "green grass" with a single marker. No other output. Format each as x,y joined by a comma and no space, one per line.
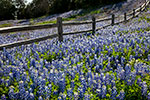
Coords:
46,22
55,21
5,25
90,11
95,12
144,18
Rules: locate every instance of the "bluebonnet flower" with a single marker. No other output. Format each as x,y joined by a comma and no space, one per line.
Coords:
1,64
11,94
129,82
31,96
87,97
89,74
41,90
90,82
131,57
96,76
113,83
99,92
17,74
97,67
136,55
72,61
33,63
108,65
139,81
104,91
55,92
40,98
21,84
69,92
107,79
24,76
144,88
2,81
114,93
47,92
121,95
17,95
88,59
103,80
148,57
83,81
122,61
22,92
76,95
7,82
59,98
95,84
81,92
133,76
36,56
50,86
127,68
3,97
64,96
127,71
92,63
26,95
122,74
148,96
72,84
132,43
43,82
39,80
99,84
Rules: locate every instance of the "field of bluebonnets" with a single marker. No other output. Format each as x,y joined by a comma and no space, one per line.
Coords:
112,64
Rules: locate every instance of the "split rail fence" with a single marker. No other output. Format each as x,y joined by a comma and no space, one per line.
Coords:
60,24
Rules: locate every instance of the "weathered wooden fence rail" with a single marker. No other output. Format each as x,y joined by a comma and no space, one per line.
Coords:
60,24
26,28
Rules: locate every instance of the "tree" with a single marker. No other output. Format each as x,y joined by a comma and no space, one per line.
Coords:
20,6
38,8
7,9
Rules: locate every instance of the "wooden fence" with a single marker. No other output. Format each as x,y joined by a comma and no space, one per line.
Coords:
60,24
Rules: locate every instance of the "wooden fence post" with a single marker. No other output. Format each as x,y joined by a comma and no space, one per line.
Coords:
125,17
145,4
93,25
133,13
60,29
113,20
140,9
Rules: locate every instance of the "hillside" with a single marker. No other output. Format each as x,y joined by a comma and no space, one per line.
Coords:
112,64
78,15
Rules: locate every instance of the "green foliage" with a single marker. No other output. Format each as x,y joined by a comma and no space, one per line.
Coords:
133,92
7,9
38,8
144,18
46,22
6,25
